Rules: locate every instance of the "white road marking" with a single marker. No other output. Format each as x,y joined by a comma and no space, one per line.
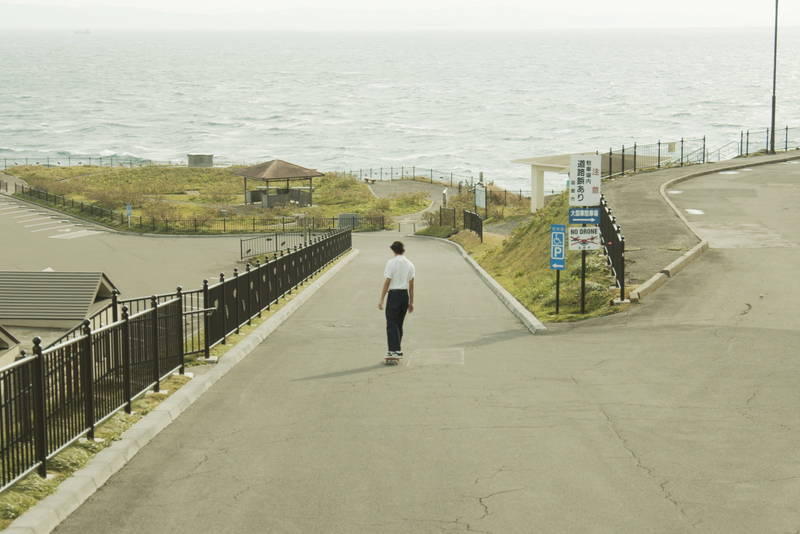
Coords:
12,212
675,192
40,224
694,211
34,218
74,235
729,172
52,228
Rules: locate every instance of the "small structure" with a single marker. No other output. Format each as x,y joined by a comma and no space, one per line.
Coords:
51,299
200,160
560,164
280,172
9,347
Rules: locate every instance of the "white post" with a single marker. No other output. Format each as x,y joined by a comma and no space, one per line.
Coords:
537,188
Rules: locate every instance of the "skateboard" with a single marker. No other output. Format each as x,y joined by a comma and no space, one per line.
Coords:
391,360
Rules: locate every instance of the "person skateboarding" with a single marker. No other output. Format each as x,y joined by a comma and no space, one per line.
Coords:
398,284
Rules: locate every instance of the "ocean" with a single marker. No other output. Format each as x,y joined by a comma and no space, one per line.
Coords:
463,102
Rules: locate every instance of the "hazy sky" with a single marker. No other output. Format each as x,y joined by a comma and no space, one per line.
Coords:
379,15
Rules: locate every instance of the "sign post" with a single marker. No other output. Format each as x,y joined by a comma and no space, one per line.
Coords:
480,198
558,256
129,212
584,193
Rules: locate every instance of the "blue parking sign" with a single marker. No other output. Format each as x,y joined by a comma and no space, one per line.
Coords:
558,247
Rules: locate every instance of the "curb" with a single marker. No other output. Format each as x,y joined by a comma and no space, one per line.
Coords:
534,325
46,515
658,279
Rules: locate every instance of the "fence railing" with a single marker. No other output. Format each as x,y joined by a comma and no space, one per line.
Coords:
473,221
411,172
60,393
196,225
613,245
275,242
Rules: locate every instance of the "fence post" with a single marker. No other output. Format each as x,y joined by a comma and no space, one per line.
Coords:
238,300
681,151
431,175
747,143
622,171
154,326
741,142
785,140
610,166
182,355
126,360
768,143
260,286
704,149
249,294
39,425
634,157
658,163
87,368
114,304
206,321
222,309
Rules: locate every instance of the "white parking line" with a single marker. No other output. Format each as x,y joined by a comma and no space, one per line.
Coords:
21,216
33,218
73,235
52,228
39,224
12,212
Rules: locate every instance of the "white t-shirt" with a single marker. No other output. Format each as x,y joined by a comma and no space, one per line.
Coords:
401,272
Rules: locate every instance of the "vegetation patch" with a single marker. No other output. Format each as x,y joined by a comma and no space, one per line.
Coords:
167,192
521,263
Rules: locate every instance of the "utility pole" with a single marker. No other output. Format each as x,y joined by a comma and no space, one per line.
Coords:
774,82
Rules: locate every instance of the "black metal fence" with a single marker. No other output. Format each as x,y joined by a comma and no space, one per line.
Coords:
411,172
613,245
275,242
473,221
60,393
195,225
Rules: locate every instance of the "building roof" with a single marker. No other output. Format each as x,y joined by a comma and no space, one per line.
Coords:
27,296
7,339
278,170
556,162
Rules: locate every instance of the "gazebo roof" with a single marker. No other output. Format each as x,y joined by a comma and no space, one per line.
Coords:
278,170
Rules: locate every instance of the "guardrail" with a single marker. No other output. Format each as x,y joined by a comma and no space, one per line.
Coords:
613,245
60,393
473,221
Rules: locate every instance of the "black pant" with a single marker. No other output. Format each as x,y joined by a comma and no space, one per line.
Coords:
396,308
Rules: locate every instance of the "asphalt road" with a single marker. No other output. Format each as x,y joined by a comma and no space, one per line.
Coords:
35,238
678,416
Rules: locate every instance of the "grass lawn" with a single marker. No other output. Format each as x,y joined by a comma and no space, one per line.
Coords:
167,192
521,263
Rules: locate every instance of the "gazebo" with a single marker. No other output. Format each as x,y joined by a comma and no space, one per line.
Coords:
279,172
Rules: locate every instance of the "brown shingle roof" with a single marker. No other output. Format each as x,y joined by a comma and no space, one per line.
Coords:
278,170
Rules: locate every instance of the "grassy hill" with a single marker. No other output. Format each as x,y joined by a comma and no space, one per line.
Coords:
521,263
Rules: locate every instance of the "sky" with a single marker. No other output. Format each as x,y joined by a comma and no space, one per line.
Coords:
377,15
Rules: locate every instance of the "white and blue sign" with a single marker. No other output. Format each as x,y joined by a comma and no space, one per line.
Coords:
584,215
558,247
129,210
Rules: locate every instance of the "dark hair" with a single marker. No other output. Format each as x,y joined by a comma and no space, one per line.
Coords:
397,247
